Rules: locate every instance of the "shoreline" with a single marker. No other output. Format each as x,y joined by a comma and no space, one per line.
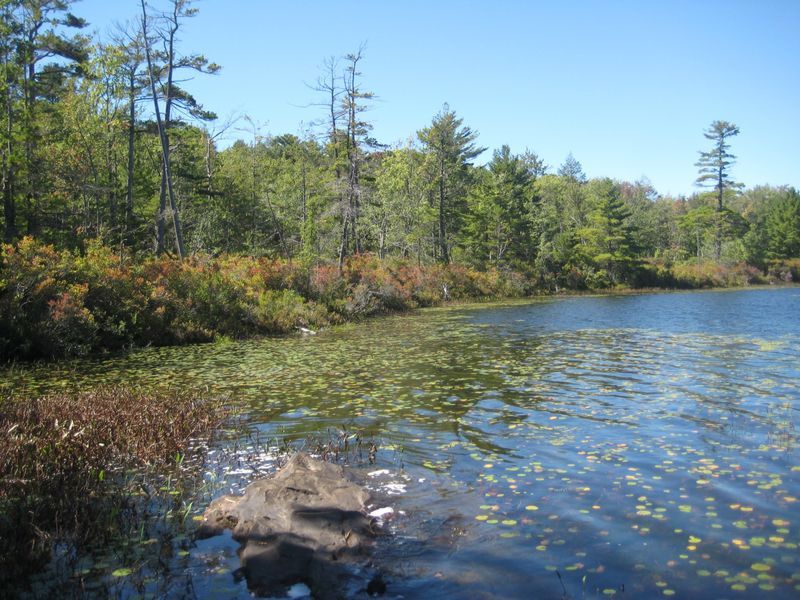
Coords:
60,304
444,305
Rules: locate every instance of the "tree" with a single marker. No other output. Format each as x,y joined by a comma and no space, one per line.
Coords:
714,168
782,226
42,38
356,141
166,179
607,239
498,226
402,217
553,230
450,147
9,75
653,223
31,33
129,44
703,225
572,170
162,80
573,209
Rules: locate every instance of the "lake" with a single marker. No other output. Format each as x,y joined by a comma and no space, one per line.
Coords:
634,446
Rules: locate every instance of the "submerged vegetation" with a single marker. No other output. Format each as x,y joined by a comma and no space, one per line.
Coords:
596,436
66,460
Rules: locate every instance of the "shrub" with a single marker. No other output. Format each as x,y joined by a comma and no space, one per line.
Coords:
41,303
655,273
282,311
785,270
66,304
710,274
597,279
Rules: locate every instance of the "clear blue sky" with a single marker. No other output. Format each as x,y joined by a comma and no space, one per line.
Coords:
627,86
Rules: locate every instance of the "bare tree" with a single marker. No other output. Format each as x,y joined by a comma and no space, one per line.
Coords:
163,81
356,140
165,150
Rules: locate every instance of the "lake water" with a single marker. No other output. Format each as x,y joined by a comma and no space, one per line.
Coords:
593,447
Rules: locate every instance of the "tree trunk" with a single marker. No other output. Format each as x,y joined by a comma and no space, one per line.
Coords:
161,216
111,174
162,131
443,250
30,151
343,243
128,236
718,224
9,205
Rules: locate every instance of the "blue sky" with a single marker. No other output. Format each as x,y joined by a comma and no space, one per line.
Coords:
627,86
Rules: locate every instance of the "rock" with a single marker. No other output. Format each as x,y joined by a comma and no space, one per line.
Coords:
302,525
380,514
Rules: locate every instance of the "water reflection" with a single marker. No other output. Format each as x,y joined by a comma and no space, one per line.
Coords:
593,445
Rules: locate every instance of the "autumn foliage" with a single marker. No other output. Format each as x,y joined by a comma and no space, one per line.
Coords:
64,303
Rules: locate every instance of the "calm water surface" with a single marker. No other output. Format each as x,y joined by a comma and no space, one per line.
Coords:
595,447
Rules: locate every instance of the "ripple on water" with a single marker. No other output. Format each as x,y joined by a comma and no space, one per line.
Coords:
641,446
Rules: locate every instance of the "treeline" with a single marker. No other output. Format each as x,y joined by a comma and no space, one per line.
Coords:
101,143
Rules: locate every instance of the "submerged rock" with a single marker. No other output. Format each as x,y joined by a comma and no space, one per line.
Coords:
303,524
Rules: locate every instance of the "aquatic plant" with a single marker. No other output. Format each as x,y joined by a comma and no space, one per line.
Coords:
65,462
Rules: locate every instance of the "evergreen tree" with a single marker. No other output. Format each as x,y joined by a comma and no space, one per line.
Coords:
607,239
33,33
714,168
450,148
571,169
782,227
357,141
554,230
499,227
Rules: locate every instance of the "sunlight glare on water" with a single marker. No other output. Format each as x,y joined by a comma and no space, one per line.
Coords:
609,447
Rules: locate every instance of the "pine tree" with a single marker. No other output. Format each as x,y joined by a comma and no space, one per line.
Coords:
714,168
450,147
608,236
782,227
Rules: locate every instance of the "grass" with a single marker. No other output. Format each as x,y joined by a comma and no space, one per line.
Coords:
67,464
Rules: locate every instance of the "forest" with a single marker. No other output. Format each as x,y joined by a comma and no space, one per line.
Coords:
115,182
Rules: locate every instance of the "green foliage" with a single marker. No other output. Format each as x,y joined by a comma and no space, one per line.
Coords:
704,226
782,227
265,219
401,218
498,227
653,220
572,170
714,165
606,239
449,147
714,171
